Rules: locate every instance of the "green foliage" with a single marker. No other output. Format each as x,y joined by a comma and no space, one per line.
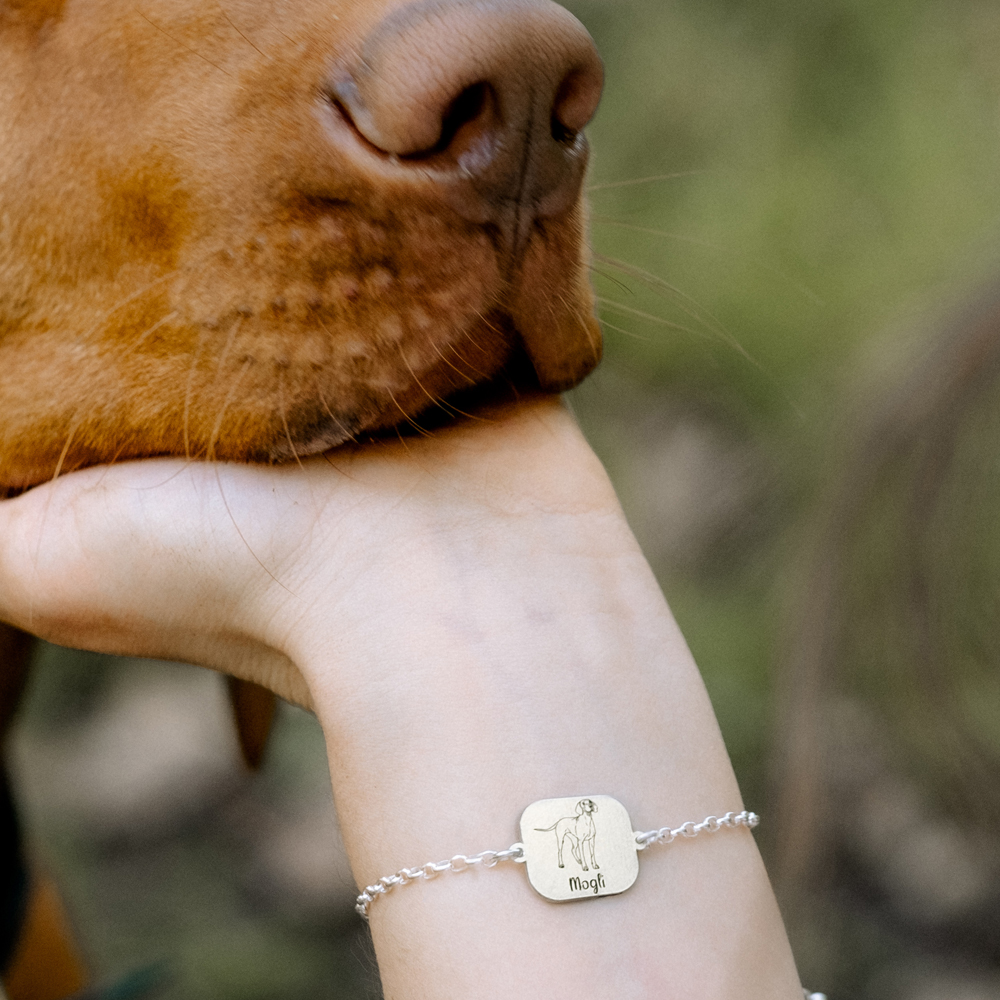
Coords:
844,158
834,171
831,188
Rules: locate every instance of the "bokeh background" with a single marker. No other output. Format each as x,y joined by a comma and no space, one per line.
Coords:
795,210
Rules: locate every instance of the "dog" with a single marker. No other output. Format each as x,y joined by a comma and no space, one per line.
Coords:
580,831
252,230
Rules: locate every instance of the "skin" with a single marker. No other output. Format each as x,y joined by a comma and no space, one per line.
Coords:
475,627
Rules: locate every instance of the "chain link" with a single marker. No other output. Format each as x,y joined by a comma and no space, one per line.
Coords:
459,863
711,824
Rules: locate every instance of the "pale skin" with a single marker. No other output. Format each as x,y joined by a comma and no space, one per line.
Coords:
471,619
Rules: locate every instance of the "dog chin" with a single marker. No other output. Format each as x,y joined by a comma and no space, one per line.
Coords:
335,433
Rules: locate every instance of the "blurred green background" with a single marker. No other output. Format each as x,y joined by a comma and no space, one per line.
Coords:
786,196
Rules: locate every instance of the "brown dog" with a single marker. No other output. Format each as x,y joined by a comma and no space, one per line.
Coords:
255,229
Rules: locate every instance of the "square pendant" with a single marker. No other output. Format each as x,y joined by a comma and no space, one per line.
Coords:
579,847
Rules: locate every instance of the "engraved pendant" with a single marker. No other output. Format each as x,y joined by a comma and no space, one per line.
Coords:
579,847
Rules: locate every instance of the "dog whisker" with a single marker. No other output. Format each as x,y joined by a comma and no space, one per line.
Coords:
36,555
186,464
249,547
612,185
326,406
336,468
574,310
435,400
649,317
697,312
220,417
422,431
74,427
235,28
660,285
128,300
610,277
181,44
148,333
489,326
189,393
467,335
627,333
465,361
284,419
458,371
112,462
227,347
402,441
802,289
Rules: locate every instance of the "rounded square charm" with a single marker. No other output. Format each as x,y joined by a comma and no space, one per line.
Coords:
579,847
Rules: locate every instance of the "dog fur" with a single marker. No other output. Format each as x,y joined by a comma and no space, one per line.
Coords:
190,265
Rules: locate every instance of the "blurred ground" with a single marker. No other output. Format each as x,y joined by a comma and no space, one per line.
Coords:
786,196
169,851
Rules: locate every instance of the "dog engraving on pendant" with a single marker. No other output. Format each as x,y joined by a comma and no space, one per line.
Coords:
581,833
595,831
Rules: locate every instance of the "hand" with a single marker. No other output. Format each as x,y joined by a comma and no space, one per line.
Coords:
220,564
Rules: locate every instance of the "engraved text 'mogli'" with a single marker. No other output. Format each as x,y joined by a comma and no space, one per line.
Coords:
593,885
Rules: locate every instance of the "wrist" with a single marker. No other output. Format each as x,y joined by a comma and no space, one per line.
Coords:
534,680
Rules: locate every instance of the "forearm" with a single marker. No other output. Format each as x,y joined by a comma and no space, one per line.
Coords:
535,658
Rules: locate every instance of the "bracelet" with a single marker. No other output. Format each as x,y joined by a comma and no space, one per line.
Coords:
578,847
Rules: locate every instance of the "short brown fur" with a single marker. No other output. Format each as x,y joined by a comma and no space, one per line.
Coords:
189,266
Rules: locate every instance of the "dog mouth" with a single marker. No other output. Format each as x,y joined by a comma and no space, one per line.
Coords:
433,398
319,328
323,321
355,330
313,431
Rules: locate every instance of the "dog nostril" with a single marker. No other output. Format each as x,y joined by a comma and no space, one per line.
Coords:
474,106
575,104
467,108
562,134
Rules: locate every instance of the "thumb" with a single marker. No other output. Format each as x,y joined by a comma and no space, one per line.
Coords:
122,560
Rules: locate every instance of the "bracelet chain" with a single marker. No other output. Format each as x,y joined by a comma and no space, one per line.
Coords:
515,853
459,863
712,824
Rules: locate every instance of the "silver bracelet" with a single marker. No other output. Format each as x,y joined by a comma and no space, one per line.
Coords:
569,836
578,847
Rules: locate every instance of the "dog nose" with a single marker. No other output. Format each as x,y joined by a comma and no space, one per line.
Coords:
487,99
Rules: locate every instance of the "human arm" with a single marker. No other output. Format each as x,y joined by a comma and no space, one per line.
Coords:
476,629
